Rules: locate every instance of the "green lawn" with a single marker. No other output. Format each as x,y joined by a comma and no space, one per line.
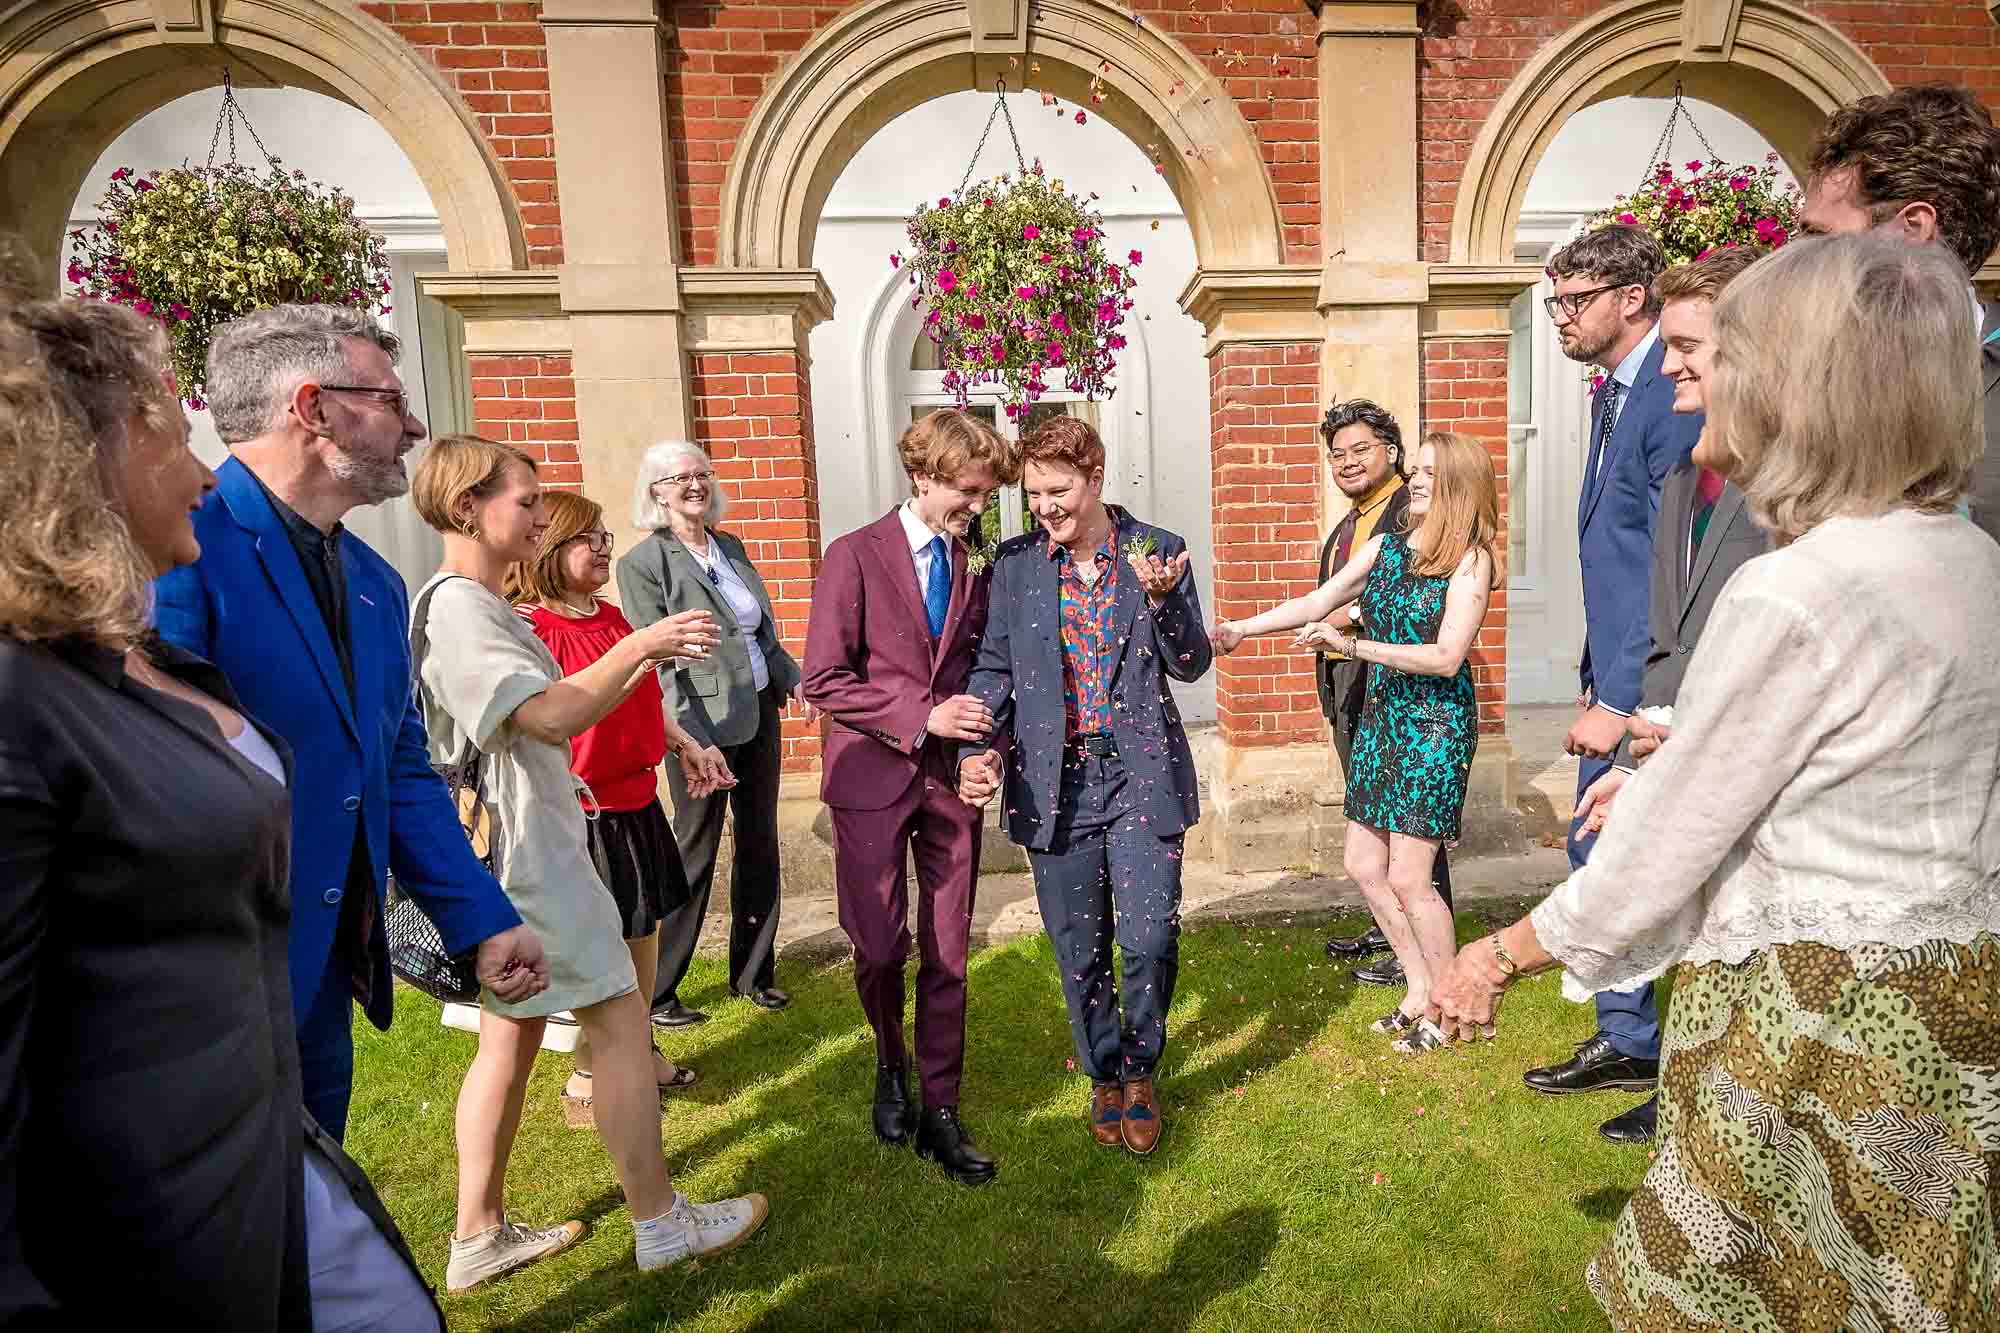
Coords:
1310,1178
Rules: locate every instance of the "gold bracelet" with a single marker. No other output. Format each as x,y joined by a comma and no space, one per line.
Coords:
1502,959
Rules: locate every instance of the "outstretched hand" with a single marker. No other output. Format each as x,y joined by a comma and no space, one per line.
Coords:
1158,577
1224,637
1466,1002
1595,807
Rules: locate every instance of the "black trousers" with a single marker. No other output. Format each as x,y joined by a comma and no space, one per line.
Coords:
1351,690
753,887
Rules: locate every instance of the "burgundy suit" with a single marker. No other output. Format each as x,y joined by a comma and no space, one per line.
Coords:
891,787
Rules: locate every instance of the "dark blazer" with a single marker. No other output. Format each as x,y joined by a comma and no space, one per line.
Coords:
714,700
150,1171
1614,522
1682,596
870,664
1986,476
246,606
1019,675
1336,678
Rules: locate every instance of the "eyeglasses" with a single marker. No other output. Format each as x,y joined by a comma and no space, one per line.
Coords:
395,398
1572,304
599,541
1358,453
682,480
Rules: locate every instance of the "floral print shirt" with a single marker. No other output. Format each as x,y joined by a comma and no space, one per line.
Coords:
1089,637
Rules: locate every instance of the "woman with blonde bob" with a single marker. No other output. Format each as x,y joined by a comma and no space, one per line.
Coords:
1423,595
488,681
1817,844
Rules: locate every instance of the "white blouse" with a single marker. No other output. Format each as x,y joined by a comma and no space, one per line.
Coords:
1833,773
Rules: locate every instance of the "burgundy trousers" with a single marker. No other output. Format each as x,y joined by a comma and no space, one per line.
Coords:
871,852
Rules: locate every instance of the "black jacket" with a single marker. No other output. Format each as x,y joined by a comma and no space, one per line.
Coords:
1339,679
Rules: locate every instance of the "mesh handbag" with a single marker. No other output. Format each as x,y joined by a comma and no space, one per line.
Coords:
416,947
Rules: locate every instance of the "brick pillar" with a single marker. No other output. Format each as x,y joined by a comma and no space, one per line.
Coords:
530,401
1465,391
1267,531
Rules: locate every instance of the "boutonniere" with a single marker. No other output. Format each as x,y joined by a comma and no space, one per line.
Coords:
978,559
1138,548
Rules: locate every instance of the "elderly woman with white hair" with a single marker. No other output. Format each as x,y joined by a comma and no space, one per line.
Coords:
729,703
1816,845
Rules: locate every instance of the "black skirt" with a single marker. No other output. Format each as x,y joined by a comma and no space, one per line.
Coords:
636,857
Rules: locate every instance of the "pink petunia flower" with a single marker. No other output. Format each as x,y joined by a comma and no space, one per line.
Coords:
947,281
1695,165
895,261
1080,117
1031,232
1025,293
1628,219
1134,257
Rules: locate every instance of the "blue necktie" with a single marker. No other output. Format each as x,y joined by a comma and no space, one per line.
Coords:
1605,425
937,590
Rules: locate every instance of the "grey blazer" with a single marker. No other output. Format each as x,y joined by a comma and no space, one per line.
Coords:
1986,473
1680,595
715,700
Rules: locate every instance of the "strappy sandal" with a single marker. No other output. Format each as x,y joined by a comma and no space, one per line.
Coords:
577,1113
1394,1021
1425,1036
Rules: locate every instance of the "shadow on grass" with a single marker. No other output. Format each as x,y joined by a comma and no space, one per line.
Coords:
1604,1205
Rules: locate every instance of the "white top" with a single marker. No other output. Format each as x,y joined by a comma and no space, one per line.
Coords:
250,743
920,538
1833,773
742,604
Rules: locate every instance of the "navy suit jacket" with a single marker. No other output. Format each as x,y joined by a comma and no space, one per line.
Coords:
246,607
1614,522
1019,676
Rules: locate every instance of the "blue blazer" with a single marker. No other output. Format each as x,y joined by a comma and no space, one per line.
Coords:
1019,675
246,607
1614,525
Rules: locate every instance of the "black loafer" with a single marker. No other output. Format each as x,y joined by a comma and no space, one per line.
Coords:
1637,1126
1596,1065
1381,972
674,1014
894,1115
766,997
942,1139
1365,945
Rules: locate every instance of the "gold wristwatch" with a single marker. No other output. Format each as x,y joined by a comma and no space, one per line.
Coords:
1504,960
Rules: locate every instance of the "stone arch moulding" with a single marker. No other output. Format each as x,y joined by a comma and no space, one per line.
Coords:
884,57
75,74
1785,71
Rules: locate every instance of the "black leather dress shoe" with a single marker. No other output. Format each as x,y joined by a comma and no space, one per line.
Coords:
1381,972
767,997
674,1014
1596,1064
942,1139
895,1115
1365,945
1636,1126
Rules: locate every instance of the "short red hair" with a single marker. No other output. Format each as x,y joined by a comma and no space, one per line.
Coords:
1065,441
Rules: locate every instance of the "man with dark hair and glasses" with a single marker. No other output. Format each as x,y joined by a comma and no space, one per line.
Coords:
1364,448
1606,313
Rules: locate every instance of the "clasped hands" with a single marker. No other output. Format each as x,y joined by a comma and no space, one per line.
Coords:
1595,806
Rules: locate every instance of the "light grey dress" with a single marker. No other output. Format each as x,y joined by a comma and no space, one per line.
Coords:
484,662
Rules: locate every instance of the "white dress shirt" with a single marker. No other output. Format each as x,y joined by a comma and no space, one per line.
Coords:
920,538
1833,773
742,605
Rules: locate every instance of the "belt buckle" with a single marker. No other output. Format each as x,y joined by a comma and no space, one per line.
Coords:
1097,744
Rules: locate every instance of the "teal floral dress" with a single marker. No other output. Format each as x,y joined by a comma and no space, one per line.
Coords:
1413,746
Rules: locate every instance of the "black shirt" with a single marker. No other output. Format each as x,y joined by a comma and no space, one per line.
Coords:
319,555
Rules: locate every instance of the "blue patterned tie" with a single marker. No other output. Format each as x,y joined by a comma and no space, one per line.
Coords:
1605,425
937,590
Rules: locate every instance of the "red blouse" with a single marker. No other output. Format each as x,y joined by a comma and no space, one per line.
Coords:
619,756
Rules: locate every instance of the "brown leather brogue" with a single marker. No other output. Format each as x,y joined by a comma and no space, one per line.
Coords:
1107,1113
1141,1124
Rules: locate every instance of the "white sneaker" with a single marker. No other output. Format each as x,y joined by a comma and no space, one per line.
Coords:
503,1249
689,1230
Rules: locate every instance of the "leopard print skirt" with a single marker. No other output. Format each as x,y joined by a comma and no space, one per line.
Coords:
1829,1148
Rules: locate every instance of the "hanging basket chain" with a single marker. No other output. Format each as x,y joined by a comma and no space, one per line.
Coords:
225,120
1677,113
999,112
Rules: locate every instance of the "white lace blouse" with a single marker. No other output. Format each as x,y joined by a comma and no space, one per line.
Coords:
1833,773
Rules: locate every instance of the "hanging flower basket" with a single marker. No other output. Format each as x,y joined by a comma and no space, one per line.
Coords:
1020,288
1713,206
195,247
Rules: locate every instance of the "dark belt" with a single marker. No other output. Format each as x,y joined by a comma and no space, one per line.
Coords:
1098,743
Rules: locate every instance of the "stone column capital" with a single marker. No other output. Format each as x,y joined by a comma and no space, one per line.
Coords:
1265,303
606,13
753,309
1367,18
507,311
1471,300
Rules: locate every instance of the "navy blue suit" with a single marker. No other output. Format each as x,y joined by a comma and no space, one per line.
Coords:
1614,521
246,607
1103,830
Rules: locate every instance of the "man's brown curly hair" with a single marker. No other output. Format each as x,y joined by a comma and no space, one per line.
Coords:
1934,143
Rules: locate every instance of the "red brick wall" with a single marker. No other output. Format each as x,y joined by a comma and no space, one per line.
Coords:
1467,61
495,55
725,53
753,414
530,401
1465,391
1263,411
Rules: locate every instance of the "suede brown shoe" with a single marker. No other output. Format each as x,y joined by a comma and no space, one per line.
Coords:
1141,1124
1107,1113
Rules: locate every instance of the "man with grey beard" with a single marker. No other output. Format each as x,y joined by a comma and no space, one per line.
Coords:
312,629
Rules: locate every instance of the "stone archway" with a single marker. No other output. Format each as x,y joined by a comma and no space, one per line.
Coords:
72,77
1778,68
885,57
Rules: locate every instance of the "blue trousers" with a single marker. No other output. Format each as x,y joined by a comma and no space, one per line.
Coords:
1108,875
1628,1019
326,1050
